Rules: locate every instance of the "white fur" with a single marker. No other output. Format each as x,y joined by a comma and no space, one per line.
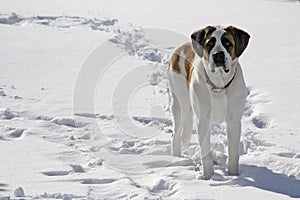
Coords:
209,107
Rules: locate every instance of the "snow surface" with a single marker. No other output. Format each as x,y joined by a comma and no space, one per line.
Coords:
84,101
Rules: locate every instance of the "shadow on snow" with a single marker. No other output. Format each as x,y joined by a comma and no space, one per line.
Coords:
265,179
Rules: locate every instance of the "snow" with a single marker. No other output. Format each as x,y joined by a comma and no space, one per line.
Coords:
84,101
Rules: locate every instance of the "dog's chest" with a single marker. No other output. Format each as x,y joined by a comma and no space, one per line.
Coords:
218,102
206,102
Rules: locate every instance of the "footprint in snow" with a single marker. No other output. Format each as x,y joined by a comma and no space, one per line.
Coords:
56,173
254,100
163,164
75,169
17,133
261,121
16,97
164,187
162,123
78,168
289,155
2,93
98,181
6,113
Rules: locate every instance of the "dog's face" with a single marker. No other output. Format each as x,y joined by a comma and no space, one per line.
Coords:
220,47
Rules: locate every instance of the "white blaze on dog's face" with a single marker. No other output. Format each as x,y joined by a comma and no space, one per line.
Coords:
220,47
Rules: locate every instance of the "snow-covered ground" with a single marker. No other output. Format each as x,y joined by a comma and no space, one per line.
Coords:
84,104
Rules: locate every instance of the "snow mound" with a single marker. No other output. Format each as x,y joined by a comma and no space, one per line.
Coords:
67,122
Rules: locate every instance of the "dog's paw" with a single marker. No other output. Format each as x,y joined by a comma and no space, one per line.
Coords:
233,170
176,148
176,153
207,167
233,173
202,177
205,175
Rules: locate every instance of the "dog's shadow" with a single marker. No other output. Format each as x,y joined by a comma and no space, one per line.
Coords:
265,179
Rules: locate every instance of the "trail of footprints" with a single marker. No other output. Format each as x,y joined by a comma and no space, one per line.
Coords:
64,21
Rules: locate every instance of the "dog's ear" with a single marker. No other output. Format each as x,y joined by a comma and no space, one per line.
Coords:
198,41
241,39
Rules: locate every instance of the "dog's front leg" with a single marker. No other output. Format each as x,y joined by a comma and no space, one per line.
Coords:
204,141
233,135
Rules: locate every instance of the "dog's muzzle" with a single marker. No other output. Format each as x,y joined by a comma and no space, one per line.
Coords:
219,58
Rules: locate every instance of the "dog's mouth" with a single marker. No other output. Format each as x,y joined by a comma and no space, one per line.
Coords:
226,70
223,67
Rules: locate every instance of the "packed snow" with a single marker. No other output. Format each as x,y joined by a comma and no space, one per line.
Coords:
84,101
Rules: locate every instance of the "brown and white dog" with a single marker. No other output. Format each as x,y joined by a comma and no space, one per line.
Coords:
205,78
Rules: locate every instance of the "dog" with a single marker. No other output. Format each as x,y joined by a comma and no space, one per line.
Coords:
205,78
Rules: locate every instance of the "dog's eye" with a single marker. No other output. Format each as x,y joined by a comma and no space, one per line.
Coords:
210,44
227,44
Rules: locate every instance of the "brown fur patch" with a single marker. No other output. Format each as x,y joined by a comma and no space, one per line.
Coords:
208,31
230,37
175,61
241,39
205,54
188,59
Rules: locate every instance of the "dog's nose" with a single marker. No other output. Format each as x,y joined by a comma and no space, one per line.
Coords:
219,58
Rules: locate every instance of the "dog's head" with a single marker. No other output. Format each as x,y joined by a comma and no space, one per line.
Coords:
220,47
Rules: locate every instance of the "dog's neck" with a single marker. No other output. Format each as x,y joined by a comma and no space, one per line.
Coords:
218,80
213,87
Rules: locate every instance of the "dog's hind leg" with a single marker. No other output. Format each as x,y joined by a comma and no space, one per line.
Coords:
187,127
177,126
